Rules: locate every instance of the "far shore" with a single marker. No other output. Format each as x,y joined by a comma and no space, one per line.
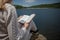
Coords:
39,8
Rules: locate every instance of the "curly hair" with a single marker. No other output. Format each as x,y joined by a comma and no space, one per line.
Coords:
2,3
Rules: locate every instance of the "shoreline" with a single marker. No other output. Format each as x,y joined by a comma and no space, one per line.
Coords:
39,8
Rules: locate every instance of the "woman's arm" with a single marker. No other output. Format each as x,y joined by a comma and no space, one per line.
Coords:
21,33
22,30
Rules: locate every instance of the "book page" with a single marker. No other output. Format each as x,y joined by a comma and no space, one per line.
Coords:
30,18
23,19
26,18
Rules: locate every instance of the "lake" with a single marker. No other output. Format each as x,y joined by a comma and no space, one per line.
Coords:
47,21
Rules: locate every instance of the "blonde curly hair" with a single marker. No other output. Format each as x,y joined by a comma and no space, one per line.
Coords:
2,2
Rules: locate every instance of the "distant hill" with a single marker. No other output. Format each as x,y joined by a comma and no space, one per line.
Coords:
54,5
18,6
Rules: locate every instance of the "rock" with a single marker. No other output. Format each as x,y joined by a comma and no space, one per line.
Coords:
38,36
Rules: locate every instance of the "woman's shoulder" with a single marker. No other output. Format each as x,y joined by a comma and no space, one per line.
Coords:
9,6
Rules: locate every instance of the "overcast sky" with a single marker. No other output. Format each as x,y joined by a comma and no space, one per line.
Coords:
34,2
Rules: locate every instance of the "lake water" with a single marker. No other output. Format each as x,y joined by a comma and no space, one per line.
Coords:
47,20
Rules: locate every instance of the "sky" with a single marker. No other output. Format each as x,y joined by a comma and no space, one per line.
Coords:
28,3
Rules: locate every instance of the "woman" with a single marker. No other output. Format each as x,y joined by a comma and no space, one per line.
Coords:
8,23
8,20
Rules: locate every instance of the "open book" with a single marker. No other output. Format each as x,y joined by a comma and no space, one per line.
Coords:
26,18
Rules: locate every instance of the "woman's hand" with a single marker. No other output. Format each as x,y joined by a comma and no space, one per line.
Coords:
26,25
